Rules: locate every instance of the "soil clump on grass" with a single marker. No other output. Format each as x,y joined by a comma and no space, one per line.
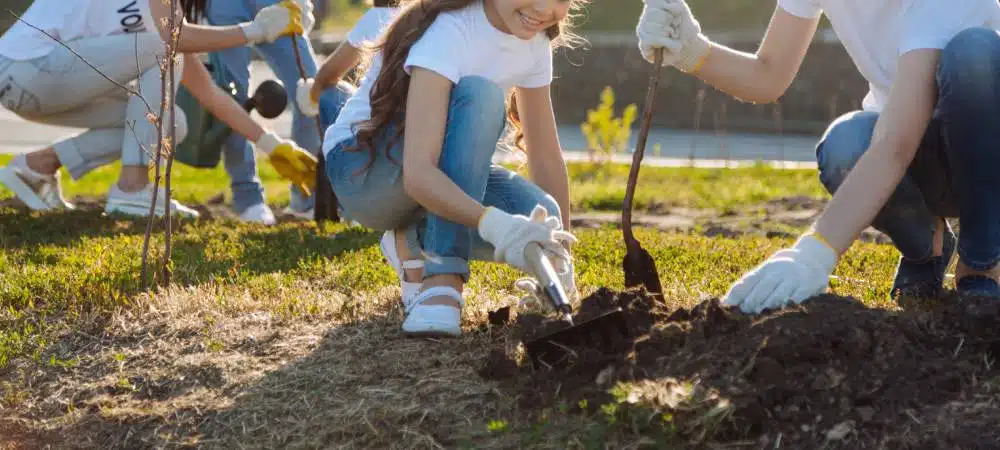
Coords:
830,373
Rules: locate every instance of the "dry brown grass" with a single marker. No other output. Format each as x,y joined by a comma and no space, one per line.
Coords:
180,371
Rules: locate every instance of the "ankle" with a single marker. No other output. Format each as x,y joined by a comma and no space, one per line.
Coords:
404,254
446,280
962,271
44,162
133,179
938,243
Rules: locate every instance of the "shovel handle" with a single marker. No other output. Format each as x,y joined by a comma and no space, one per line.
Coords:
547,277
640,148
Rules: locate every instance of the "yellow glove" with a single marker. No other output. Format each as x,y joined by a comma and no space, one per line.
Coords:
290,161
273,22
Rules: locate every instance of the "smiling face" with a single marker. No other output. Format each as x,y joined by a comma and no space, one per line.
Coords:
526,18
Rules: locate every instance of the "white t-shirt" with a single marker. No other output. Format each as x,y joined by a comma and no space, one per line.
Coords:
876,33
370,26
458,44
68,20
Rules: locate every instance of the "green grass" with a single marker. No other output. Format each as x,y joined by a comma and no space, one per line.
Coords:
593,189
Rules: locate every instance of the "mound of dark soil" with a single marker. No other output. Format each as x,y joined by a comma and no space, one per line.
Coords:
828,372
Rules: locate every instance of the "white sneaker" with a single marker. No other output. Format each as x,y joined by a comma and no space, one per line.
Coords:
434,320
37,191
301,215
259,213
407,290
137,203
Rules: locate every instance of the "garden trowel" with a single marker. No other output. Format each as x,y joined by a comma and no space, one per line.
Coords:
554,349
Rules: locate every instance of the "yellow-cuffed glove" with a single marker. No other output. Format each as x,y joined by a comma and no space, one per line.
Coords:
275,21
290,161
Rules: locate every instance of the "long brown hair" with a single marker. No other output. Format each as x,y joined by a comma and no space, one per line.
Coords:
389,93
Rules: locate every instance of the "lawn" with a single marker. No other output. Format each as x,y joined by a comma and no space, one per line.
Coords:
288,335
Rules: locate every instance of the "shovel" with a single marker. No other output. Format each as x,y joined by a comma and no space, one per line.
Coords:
639,267
555,349
325,200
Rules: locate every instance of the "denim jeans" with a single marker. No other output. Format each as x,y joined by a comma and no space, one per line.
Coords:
375,197
280,55
954,173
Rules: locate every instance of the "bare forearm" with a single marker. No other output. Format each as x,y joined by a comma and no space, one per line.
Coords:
335,67
742,75
229,111
550,174
433,190
858,200
199,38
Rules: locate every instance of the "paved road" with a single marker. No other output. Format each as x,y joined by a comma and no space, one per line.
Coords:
676,147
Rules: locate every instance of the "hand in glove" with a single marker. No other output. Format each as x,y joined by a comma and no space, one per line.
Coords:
273,22
304,99
290,161
669,24
308,17
792,275
510,234
564,270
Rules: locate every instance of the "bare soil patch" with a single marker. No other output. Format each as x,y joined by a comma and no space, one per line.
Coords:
830,373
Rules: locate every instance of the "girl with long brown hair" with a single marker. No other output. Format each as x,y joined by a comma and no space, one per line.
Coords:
411,151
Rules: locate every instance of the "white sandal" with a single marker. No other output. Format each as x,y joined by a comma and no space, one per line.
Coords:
407,289
434,320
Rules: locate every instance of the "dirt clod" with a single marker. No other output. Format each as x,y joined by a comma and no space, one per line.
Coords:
828,371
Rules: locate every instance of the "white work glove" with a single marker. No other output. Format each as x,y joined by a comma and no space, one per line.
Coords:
308,16
273,22
510,234
303,97
669,24
791,275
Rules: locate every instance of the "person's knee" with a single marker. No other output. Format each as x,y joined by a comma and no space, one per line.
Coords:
969,67
482,97
842,146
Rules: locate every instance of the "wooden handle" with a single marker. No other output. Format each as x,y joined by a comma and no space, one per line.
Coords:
640,148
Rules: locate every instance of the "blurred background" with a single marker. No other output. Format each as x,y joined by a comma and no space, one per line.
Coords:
599,80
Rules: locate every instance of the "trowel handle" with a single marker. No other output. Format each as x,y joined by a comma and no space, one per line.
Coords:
548,278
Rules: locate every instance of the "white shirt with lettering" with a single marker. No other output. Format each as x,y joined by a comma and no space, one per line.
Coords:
876,33
69,20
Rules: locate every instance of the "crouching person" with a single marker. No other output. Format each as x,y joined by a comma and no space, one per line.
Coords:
923,148
411,151
77,85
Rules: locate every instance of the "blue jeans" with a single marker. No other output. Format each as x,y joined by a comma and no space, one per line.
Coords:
954,173
375,197
280,55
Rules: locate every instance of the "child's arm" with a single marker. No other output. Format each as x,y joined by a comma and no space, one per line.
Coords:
760,77
427,112
342,60
199,83
289,160
277,20
545,159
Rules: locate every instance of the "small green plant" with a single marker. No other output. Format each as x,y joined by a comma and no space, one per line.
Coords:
605,133
497,426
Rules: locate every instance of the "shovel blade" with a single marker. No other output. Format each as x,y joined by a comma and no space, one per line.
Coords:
640,270
605,332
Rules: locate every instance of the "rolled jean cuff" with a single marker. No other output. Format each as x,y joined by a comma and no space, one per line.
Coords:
446,265
70,158
977,265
